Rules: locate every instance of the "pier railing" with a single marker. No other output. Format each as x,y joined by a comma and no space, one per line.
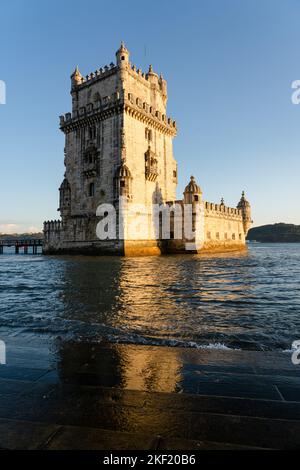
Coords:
24,244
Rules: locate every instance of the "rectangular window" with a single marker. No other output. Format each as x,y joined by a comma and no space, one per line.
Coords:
148,134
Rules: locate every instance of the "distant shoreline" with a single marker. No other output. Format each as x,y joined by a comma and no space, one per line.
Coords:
275,233
254,242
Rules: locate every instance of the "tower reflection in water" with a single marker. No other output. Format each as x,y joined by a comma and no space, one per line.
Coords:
137,301
111,306
109,301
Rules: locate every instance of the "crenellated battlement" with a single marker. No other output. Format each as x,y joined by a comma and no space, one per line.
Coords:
123,76
91,113
117,102
134,105
149,78
221,210
79,81
52,225
212,209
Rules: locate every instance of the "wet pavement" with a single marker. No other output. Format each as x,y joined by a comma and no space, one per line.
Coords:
59,394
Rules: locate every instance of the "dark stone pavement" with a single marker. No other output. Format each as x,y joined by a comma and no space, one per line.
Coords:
57,394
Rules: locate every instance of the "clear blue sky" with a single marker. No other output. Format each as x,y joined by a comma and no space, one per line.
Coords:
229,66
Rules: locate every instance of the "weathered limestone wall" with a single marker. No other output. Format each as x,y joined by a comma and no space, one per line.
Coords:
223,227
142,248
147,87
164,187
93,247
106,144
95,90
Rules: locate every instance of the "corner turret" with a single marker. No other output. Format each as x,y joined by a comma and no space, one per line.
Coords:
163,86
76,77
152,76
192,193
122,56
123,181
64,199
245,207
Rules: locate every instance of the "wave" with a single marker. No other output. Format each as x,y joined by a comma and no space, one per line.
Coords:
174,343
95,332
79,331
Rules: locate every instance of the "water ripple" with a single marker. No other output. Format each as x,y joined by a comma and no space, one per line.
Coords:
243,301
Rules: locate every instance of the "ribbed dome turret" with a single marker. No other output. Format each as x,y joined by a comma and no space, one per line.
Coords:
192,193
243,202
193,187
245,208
123,171
123,181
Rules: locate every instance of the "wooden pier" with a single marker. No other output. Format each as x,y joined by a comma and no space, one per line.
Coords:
28,246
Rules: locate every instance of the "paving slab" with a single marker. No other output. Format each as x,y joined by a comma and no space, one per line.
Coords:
24,435
82,438
250,431
97,395
184,444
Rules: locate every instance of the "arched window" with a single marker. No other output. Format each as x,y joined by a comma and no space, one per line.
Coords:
91,190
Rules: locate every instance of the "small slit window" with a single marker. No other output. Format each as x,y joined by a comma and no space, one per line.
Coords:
91,190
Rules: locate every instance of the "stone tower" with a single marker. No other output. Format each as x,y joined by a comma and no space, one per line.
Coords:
118,142
119,148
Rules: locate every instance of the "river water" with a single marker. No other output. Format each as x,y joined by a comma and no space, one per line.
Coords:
239,301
